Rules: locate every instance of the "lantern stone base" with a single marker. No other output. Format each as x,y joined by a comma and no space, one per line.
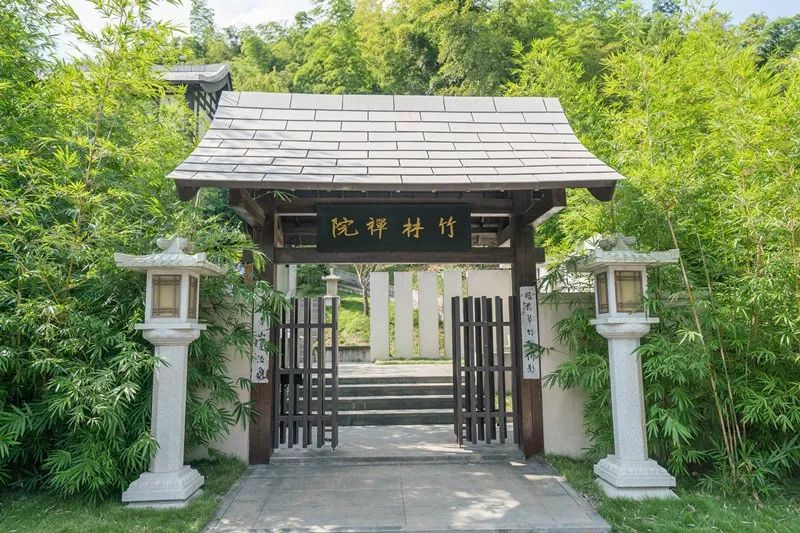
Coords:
164,490
634,480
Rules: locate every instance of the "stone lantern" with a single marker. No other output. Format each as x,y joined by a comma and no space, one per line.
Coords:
331,284
620,275
170,323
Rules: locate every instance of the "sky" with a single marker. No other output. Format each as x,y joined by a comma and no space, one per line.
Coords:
243,12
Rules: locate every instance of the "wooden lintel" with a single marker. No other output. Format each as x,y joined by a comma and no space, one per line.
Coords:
308,255
604,194
247,208
185,192
478,206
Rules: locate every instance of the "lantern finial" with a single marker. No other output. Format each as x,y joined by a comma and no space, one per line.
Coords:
175,245
617,241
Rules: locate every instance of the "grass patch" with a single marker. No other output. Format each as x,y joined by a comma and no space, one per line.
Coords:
694,510
37,512
353,323
413,361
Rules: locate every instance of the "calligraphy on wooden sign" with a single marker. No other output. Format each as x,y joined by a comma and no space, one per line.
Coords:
397,228
529,322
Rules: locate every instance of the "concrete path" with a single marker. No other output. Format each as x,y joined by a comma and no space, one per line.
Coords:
403,478
407,497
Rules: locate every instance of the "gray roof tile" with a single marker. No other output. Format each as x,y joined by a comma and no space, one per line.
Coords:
263,100
279,135
424,142
238,112
446,117
288,114
423,126
552,104
230,134
397,136
368,126
243,124
469,103
470,127
519,103
545,118
368,102
248,143
394,116
313,125
340,115
339,136
418,103
316,101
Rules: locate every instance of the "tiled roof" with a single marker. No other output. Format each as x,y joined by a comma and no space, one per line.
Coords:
377,142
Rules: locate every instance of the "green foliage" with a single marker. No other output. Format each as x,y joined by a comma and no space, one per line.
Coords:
34,512
695,509
85,149
309,279
688,113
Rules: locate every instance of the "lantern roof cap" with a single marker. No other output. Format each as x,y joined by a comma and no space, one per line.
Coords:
173,254
617,250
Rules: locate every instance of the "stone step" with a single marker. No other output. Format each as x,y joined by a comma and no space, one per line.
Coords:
393,417
370,403
396,389
383,380
488,455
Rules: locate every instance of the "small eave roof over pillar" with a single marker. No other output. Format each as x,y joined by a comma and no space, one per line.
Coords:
383,142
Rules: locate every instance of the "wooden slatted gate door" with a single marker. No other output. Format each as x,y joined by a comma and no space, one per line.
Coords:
306,372
485,371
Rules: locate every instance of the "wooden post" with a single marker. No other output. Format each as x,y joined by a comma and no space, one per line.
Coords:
523,273
261,394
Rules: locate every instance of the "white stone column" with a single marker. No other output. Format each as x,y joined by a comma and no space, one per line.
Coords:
282,278
292,280
451,286
379,315
629,473
428,298
403,315
168,483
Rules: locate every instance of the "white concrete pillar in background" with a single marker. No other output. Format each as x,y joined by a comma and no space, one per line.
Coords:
403,315
451,286
379,315
292,280
282,278
428,299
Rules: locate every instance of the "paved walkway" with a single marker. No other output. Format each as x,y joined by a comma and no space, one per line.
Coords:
395,444
405,487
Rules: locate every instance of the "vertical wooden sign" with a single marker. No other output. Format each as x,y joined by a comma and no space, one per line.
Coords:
529,322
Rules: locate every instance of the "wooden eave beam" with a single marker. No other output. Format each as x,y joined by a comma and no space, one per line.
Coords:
479,206
246,207
487,256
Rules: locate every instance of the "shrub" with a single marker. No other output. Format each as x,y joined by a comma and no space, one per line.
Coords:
85,149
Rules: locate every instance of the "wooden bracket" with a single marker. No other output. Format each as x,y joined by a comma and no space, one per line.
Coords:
246,207
550,202
604,194
186,192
